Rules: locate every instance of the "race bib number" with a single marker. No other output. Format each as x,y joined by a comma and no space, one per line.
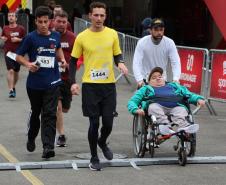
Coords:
11,55
46,62
99,74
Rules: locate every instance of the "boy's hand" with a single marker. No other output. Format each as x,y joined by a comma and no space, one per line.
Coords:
201,102
140,112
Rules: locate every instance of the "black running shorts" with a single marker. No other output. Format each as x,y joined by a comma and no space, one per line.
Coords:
11,64
65,95
98,99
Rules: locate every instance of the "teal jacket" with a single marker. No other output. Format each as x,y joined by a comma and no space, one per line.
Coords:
147,91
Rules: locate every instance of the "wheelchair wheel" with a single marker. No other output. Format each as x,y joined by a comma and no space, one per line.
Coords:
152,144
151,149
182,157
139,136
191,145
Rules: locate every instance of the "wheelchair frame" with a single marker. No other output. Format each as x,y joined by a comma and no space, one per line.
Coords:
146,133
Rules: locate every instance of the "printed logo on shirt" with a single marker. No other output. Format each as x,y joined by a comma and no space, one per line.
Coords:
64,44
51,39
14,34
42,49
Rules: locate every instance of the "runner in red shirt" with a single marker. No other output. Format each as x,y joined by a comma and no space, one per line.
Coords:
12,35
64,103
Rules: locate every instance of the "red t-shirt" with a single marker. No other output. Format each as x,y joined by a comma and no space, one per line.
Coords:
8,32
67,41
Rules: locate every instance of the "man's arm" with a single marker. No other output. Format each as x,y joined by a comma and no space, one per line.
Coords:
29,65
72,70
175,62
72,74
120,64
137,64
60,57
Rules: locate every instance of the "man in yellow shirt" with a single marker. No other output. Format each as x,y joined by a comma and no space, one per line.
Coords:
99,46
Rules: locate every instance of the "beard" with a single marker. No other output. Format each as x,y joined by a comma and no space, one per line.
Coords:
156,39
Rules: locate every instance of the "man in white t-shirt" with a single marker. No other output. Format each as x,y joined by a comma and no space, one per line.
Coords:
155,50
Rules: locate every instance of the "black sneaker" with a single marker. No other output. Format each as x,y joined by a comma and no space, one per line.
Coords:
47,153
95,165
12,94
108,154
61,141
30,146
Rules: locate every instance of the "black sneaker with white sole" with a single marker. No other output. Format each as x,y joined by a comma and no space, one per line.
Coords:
95,164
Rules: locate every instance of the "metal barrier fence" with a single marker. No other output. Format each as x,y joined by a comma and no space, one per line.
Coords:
2,20
23,20
80,25
193,68
217,75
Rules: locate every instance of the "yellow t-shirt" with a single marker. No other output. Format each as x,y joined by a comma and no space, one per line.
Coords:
98,49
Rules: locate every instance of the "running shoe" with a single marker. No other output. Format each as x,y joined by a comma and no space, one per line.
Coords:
108,154
95,164
61,141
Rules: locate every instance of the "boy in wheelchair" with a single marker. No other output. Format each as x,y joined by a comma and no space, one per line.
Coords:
160,98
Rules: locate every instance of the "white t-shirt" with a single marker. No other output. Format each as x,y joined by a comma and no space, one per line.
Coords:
149,55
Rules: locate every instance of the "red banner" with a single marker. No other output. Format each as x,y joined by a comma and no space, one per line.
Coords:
217,9
12,4
191,68
218,77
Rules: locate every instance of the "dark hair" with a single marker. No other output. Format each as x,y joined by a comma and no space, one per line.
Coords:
58,6
156,69
96,5
61,14
42,11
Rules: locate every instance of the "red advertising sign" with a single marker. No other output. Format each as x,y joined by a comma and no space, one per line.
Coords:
191,68
218,78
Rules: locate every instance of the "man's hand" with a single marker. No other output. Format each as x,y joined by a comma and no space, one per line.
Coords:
64,64
140,112
177,81
4,38
201,102
32,66
123,68
75,89
15,39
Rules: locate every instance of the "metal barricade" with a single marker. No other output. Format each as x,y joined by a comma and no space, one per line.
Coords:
2,20
193,68
79,25
129,46
194,71
22,19
217,76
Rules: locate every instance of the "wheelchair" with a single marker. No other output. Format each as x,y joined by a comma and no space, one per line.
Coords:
148,135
